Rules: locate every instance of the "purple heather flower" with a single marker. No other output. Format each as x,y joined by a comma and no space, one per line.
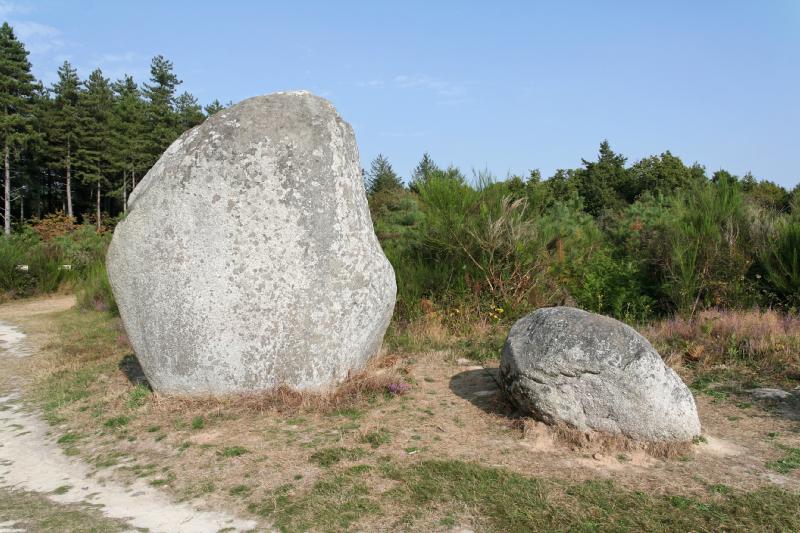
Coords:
398,388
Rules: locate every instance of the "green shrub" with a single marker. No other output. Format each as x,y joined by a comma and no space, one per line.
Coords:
781,262
708,242
376,438
487,243
612,286
94,290
330,456
117,421
83,248
71,257
232,451
29,266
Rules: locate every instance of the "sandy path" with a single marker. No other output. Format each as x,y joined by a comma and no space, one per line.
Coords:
31,460
11,340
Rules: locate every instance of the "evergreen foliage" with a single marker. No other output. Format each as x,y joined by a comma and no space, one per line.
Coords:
636,241
213,107
130,145
64,126
782,262
382,177
64,145
95,155
16,113
422,172
189,111
604,184
162,120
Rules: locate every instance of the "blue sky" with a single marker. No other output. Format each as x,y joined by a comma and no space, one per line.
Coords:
507,86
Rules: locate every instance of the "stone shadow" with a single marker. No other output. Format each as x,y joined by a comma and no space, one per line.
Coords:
787,407
481,388
772,401
130,366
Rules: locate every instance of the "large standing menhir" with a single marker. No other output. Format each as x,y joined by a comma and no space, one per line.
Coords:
248,258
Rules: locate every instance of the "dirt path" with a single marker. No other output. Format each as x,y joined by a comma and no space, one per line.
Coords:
11,340
31,460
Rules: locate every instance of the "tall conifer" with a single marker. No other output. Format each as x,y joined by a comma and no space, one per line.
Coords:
16,89
95,156
160,96
64,127
129,131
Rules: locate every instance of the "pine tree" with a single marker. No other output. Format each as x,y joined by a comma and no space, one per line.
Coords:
189,112
95,156
160,96
213,108
381,177
129,130
36,168
64,127
423,172
16,89
604,184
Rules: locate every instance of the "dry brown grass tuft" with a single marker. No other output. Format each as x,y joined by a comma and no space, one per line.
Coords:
767,341
429,329
356,391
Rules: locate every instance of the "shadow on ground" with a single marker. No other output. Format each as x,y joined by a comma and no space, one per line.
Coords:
788,408
777,402
480,388
130,366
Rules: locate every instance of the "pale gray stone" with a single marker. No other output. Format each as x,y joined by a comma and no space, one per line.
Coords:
248,257
595,373
766,393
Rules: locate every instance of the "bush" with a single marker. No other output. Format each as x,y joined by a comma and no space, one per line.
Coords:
53,225
53,251
708,241
94,290
28,266
487,247
487,243
613,287
83,248
781,262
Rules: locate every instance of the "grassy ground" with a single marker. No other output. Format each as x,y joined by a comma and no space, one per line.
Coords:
33,512
446,453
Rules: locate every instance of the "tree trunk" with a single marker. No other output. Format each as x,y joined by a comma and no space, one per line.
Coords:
124,191
133,179
69,181
21,208
98,207
7,197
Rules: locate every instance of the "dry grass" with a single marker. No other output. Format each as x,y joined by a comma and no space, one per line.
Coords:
766,343
27,511
356,391
356,457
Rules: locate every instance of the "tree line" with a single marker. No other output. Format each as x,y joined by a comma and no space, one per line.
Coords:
634,241
631,240
79,146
